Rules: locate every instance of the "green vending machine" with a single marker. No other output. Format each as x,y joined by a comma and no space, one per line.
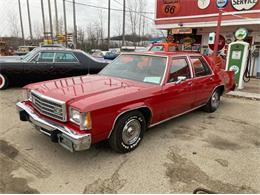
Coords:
237,60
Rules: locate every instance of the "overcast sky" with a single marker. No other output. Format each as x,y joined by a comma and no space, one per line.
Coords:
9,13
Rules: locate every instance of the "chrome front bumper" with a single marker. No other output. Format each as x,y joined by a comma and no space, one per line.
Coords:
66,137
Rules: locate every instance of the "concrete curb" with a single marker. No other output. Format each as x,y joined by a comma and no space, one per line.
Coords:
244,95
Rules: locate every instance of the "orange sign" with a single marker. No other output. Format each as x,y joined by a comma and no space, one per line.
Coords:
182,31
170,7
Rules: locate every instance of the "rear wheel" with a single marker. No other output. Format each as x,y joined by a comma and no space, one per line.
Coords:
3,82
128,132
213,102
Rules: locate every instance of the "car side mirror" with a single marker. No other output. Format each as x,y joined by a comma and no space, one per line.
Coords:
180,79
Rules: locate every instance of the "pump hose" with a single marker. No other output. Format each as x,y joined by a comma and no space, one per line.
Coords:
203,191
246,76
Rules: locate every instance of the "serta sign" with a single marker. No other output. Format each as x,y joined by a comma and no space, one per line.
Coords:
243,4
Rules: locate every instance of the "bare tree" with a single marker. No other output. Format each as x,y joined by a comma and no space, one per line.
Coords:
100,28
133,9
81,35
118,28
13,23
38,30
60,25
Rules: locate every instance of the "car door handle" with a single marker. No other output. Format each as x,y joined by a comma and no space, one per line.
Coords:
211,78
190,83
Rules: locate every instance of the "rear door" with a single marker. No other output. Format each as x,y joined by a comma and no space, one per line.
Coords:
203,82
178,96
66,64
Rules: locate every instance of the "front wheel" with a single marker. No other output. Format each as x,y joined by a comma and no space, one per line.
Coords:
128,132
3,82
213,102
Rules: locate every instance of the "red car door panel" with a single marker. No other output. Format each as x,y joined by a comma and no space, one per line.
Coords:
178,95
203,82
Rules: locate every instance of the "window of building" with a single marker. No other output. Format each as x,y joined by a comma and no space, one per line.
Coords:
179,67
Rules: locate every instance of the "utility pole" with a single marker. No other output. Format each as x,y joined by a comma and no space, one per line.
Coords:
75,26
56,17
43,17
108,31
123,36
29,18
215,52
21,19
49,4
65,22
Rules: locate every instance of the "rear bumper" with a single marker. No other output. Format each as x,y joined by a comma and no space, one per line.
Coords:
66,137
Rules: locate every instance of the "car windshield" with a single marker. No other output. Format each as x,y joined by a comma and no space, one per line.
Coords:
29,55
143,68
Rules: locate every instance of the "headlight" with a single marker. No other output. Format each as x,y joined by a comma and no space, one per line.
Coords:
28,94
75,116
81,119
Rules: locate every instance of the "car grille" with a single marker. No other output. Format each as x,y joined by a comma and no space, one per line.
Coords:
49,107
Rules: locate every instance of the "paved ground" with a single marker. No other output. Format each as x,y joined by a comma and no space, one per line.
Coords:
218,151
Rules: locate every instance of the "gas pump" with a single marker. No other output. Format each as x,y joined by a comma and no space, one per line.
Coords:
238,57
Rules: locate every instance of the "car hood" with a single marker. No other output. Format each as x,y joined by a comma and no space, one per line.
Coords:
90,90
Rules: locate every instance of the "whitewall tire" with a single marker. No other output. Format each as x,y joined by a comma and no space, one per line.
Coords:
3,82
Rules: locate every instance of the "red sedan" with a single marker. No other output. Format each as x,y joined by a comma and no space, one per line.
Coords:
136,91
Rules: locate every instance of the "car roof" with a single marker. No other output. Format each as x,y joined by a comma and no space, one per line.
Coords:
54,49
166,54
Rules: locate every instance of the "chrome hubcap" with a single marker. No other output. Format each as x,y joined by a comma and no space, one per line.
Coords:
215,100
131,131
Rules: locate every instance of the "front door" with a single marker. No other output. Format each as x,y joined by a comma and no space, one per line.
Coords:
177,94
41,67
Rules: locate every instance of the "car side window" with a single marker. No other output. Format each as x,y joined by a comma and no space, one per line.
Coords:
35,58
200,67
179,67
46,57
65,57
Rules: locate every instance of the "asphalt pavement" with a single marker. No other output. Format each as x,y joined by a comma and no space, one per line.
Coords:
218,151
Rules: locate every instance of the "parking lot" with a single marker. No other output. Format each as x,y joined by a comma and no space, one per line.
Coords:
218,151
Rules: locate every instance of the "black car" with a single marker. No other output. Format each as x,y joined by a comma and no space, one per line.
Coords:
47,63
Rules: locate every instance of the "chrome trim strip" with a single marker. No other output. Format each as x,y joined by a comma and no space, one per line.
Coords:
35,119
121,113
175,116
